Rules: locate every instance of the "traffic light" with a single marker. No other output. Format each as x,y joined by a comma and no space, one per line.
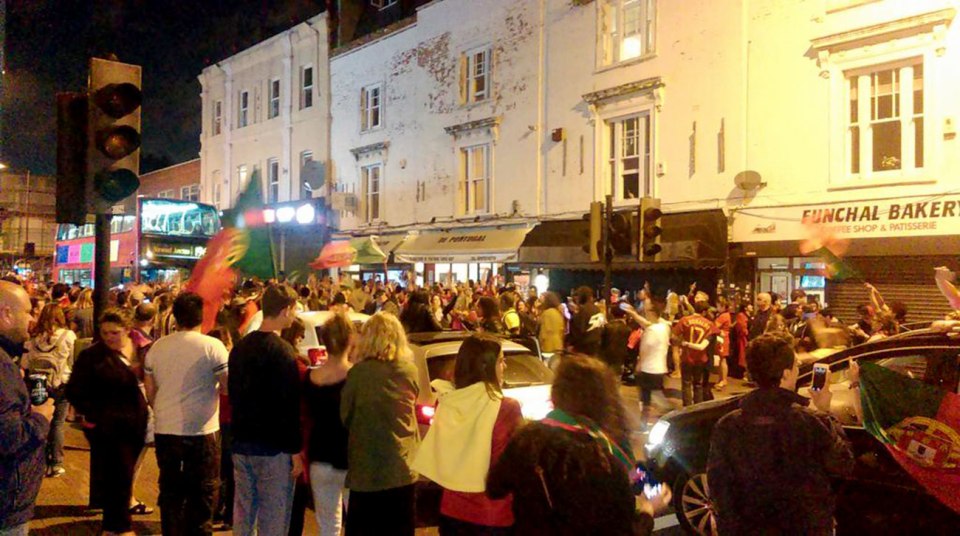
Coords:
113,134
71,153
621,233
650,229
594,237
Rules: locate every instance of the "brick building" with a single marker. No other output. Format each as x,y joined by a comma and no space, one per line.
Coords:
179,181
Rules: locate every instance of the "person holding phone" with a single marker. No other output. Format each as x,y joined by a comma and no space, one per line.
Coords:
771,461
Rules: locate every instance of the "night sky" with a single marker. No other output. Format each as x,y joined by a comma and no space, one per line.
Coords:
49,42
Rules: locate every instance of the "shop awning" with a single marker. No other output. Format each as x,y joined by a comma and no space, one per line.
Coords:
690,240
474,245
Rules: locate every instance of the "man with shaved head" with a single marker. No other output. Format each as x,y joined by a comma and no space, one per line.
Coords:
23,427
764,309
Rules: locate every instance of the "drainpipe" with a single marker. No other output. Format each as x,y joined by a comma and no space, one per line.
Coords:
541,113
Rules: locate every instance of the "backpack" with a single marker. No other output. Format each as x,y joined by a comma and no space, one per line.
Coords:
45,361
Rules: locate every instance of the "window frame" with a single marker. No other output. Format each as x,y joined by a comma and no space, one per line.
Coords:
367,110
166,194
612,147
273,180
306,91
243,108
191,192
273,101
372,198
610,45
468,76
467,182
216,193
217,126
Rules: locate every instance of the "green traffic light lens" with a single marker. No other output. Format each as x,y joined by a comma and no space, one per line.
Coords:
115,185
118,142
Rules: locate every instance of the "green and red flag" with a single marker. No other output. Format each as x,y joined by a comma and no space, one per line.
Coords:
823,242
920,426
258,260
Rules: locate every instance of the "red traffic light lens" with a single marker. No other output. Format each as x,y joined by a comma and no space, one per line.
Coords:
118,100
652,231
118,142
116,185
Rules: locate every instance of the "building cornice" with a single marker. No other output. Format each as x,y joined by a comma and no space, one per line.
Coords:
647,85
884,31
487,122
380,146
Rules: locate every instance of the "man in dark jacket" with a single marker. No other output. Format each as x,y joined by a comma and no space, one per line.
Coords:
758,325
771,460
586,326
23,428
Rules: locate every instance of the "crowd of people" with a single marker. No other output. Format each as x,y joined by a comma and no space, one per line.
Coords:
246,430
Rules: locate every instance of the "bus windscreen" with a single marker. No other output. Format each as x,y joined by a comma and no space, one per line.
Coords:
168,217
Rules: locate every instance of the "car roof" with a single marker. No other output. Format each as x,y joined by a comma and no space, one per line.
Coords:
450,346
311,319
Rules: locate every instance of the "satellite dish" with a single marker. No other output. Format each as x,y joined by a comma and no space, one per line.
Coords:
748,180
313,176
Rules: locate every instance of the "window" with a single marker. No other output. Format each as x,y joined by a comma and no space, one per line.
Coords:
626,29
190,193
382,4
165,194
475,179
475,75
370,176
273,180
274,109
217,117
305,156
217,192
370,107
244,109
629,156
306,87
241,177
885,126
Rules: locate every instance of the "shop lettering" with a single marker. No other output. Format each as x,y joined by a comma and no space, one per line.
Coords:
459,239
894,212
841,214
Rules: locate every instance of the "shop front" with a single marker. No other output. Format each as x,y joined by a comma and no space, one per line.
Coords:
694,251
461,255
374,259
894,244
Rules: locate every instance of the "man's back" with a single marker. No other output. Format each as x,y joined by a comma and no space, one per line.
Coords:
586,329
184,366
770,464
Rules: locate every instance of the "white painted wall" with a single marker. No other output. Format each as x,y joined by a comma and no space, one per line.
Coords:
283,137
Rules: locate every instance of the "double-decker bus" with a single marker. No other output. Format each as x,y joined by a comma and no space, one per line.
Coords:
161,242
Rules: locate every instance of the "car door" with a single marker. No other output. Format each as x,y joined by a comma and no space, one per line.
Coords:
880,497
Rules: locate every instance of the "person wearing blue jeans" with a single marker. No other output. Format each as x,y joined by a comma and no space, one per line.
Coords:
55,439
264,392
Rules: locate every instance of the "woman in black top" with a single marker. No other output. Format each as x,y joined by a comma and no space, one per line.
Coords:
327,447
106,391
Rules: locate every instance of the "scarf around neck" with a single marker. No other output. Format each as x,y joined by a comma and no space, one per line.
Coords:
561,419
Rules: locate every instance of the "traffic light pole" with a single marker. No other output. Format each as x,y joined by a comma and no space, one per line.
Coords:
101,268
607,252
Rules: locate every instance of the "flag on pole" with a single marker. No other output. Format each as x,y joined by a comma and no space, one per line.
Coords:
824,243
258,260
213,276
919,424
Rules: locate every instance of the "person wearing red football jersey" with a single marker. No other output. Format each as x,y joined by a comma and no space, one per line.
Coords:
694,332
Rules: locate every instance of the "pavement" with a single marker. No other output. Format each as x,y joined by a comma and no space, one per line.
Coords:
61,505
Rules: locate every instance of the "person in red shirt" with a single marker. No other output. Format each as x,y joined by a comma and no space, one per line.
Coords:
724,324
694,332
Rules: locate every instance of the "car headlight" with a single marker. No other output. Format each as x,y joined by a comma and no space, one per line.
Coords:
657,433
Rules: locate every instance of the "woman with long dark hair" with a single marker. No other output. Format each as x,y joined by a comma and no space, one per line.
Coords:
569,472
489,311
106,391
472,426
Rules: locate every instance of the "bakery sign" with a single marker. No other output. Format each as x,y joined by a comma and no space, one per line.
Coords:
868,219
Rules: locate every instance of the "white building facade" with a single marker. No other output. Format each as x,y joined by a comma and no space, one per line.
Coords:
486,114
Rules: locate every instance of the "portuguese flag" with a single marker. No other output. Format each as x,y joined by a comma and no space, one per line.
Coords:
920,426
258,260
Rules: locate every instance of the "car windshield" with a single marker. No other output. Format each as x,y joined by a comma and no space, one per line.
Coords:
523,369
319,330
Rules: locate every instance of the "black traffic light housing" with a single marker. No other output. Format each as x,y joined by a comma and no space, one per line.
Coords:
113,134
650,229
620,228
71,158
594,237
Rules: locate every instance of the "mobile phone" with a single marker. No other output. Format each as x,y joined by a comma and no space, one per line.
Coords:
625,306
643,481
820,372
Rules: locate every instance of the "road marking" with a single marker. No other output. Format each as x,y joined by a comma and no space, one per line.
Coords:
665,522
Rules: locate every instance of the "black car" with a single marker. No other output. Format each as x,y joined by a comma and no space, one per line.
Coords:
878,498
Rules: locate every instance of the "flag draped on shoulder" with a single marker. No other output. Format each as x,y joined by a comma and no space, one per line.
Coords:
920,426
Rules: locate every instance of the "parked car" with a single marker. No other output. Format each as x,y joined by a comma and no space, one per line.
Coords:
878,498
310,346
526,378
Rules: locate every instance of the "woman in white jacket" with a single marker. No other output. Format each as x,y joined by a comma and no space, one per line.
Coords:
50,352
472,426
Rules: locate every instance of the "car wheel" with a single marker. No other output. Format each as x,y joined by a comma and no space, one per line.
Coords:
691,500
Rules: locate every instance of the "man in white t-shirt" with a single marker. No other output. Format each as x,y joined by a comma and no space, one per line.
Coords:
654,348
185,372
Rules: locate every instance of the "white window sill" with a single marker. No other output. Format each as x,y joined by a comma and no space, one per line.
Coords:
626,63
857,184
371,129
